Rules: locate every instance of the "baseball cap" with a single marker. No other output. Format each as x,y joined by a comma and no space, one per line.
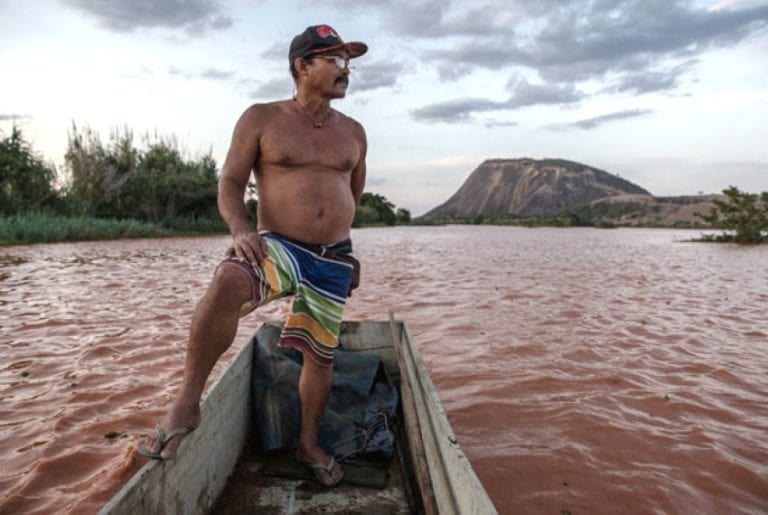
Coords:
321,38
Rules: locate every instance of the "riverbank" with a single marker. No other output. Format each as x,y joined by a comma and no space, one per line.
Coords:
47,228
32,228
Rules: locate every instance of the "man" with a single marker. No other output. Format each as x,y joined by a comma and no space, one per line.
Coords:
309,161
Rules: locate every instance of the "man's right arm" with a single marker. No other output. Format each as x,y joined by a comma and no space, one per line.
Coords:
242,155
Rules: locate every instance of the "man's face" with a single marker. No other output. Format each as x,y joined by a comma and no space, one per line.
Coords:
332,70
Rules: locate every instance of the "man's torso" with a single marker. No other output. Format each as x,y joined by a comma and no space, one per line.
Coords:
303,174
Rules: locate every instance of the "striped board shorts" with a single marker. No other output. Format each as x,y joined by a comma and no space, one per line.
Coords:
317,277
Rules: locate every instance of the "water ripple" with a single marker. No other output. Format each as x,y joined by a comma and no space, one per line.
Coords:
583,370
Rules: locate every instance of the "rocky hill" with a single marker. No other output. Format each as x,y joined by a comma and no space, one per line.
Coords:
644,210
529,187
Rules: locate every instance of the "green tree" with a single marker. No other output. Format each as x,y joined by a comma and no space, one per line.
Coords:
746,214
26,181
164,185
97,172
383,207
119,180
402,216
252,210
365,215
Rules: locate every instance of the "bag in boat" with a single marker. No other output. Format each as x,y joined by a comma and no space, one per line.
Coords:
359,418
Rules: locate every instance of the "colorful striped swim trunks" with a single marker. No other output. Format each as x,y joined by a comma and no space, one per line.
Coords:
319,280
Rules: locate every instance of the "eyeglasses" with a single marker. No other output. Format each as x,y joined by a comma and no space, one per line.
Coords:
339,61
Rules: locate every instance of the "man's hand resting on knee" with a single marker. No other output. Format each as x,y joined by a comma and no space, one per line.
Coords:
248,246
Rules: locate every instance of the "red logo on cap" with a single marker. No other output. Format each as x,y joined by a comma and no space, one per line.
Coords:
325,30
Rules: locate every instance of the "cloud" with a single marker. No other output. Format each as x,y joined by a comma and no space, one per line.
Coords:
630,35
493,123
455,111
591,123
354,4
214,74
368,76
574,41
723,5
436,19
461,60
375,181
452,162
693,176
523,94
208,73
274,89
277,52
652,81
418,18
4,117
195,16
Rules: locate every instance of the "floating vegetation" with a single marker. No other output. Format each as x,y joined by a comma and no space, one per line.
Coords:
9,259
114,435
19,365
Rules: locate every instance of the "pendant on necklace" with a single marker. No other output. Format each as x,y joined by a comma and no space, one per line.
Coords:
316,125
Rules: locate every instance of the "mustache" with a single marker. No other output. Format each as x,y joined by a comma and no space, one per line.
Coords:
340,79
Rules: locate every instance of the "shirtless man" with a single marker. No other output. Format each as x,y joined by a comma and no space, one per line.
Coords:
309,161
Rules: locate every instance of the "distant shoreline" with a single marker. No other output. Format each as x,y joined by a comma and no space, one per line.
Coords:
31,229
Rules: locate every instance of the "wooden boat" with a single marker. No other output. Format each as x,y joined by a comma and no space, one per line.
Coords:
429,474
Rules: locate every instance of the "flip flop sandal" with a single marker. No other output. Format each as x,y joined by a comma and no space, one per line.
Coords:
164,439
318,467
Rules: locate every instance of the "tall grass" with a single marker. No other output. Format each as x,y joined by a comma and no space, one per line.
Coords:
48,228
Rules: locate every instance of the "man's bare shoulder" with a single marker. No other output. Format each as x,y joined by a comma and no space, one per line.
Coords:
353,124
259,114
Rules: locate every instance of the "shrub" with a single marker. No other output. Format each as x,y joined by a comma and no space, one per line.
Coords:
119,180
745,214
26,182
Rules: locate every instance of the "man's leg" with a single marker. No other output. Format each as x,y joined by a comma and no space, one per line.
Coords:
214,326
314,390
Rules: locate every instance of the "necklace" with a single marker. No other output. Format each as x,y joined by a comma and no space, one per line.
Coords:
316,124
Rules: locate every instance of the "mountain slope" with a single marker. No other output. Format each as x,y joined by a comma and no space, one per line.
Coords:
528,187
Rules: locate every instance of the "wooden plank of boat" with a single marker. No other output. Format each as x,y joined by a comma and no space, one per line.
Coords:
443,480
454,485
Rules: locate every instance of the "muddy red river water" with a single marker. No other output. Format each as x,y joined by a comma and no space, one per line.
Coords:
583,370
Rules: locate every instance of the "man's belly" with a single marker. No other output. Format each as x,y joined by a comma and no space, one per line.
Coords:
322,224
313,206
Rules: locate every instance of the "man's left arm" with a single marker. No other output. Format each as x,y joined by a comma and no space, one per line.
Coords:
357,182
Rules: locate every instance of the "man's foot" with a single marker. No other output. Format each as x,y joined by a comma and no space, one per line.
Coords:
326,469
166,438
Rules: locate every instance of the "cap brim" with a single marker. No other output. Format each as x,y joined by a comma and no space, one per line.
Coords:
353,48
356,48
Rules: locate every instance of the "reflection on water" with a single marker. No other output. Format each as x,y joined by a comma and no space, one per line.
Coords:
582,370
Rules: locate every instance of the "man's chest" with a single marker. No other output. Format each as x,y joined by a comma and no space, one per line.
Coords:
328,147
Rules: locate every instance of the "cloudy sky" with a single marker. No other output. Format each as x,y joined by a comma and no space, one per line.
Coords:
670,94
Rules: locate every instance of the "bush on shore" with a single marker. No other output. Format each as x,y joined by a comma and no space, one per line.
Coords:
375,209
26,181
743,217
119,180
105,190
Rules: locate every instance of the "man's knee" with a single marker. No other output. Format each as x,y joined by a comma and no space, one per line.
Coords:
231,284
